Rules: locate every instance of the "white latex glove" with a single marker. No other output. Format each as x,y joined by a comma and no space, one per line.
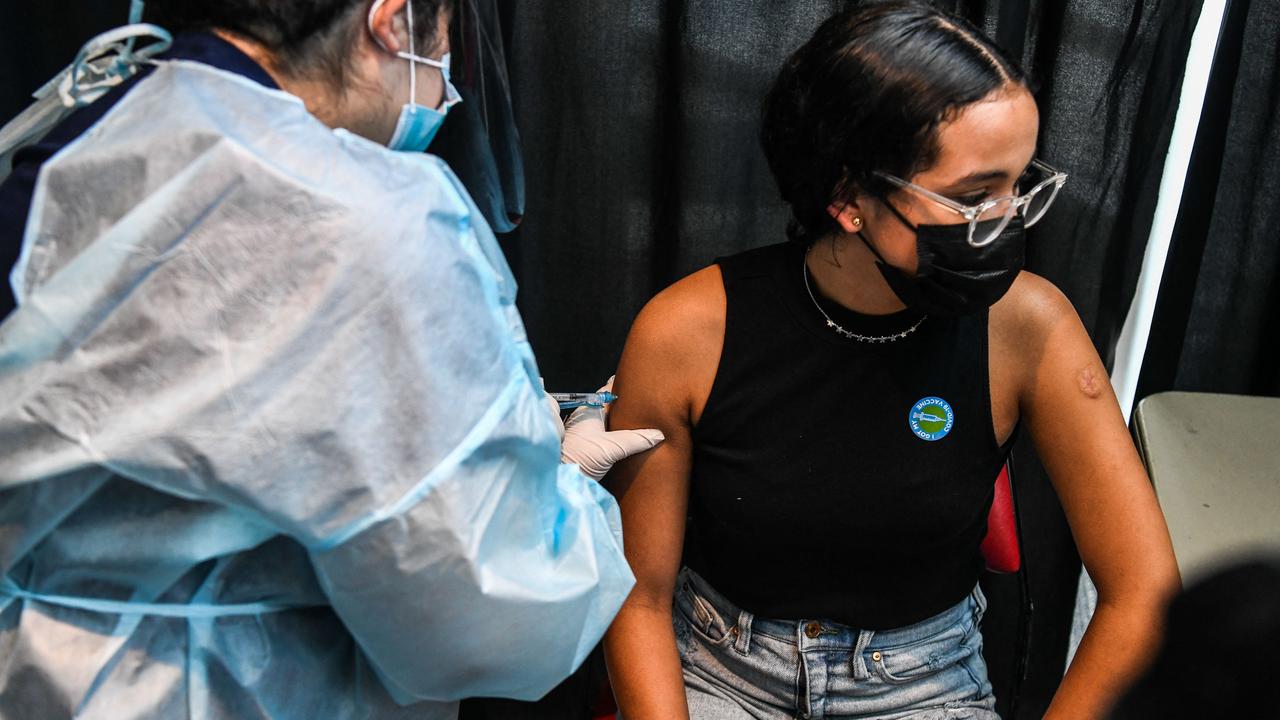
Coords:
595,450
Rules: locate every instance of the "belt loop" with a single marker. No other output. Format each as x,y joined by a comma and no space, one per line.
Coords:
860,671
804,700
979,599
743,628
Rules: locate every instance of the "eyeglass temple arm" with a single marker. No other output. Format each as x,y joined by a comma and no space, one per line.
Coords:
962,210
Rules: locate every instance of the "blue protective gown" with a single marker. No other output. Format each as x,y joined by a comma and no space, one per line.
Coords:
272,442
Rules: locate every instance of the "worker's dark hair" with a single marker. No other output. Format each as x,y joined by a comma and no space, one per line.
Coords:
307,37
868,93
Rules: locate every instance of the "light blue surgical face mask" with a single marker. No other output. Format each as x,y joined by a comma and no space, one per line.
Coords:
418,124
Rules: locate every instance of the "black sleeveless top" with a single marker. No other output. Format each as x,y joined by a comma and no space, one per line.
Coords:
837,479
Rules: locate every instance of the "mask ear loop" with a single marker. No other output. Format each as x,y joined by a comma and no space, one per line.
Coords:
884,200
412,55
413,67
450,97
413,74
872,248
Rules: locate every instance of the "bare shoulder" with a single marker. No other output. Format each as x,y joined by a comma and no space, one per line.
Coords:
1032,317
674,346
683,319
1042,345
1031,309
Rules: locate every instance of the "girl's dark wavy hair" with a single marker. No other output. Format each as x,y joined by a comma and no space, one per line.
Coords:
868,93
309,38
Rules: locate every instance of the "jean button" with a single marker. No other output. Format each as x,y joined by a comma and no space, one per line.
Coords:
813,630
875,656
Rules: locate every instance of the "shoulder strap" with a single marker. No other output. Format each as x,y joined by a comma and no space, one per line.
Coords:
754,263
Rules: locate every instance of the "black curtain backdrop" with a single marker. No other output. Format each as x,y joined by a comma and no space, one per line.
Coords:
1217,322
639,124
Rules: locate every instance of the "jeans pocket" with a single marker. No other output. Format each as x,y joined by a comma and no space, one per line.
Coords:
702,617
914,662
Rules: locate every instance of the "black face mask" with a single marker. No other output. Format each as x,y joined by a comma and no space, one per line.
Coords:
953,277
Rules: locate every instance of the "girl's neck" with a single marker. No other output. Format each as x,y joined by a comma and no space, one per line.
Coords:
844,270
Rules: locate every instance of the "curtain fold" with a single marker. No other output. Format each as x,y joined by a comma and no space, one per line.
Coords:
1216,326
1109,77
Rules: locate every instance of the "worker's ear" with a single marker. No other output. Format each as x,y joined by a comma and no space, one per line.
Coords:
847,215
387,24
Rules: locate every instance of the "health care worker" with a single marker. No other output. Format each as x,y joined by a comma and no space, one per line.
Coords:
272,440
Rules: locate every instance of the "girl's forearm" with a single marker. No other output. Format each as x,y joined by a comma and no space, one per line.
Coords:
644,665
1118,645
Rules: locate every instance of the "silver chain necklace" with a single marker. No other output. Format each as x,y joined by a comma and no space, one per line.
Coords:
804,267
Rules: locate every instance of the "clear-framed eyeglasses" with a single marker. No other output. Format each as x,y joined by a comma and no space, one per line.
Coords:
989,218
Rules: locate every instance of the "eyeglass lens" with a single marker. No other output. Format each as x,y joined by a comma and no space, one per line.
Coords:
985,228
995,216
1040,202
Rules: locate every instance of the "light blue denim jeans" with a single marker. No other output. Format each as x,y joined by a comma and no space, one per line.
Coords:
739,666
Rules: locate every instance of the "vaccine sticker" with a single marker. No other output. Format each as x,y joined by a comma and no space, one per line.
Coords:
931,419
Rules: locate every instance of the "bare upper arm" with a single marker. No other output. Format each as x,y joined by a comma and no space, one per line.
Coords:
1065,398
664,377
